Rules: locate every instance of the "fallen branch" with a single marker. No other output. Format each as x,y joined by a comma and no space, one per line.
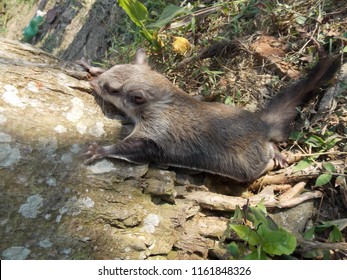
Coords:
287,176
308,245
213,201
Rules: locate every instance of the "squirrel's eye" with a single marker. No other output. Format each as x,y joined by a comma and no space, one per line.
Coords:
138,99
114,92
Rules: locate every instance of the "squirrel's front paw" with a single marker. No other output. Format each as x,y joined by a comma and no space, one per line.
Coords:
94,152
94,71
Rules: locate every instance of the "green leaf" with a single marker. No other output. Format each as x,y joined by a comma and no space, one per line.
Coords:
335,235
246,234
341,224
323,227
345,49
302,164
233,248
329,167
168,14
262,230
309,234
148,36
238,214
255,255
332,141
279,242
261,221
261,206
137,12
317,254
315,141
296,135
271,223
300,20
323,179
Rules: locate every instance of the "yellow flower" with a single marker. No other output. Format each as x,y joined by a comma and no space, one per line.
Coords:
181,45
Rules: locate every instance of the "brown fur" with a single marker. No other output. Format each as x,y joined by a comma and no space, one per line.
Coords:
172,128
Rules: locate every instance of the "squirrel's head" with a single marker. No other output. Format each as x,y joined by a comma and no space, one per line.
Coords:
133,88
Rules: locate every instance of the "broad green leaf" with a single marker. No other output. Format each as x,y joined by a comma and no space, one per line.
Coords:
251,256
329,167
302,164
345,49
137,12
246,234
335,235
262,230
323,179
168,14
261,221
233,248
279,242
255,255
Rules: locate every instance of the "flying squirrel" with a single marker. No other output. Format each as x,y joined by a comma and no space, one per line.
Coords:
175,129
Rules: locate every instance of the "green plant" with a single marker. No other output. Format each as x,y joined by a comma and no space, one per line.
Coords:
235,100
328,169
139,15
243,9
331,230
261,237
335,227
320,145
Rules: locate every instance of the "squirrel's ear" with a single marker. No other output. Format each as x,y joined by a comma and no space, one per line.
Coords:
140,57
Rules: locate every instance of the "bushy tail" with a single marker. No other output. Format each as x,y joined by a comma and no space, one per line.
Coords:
281,110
